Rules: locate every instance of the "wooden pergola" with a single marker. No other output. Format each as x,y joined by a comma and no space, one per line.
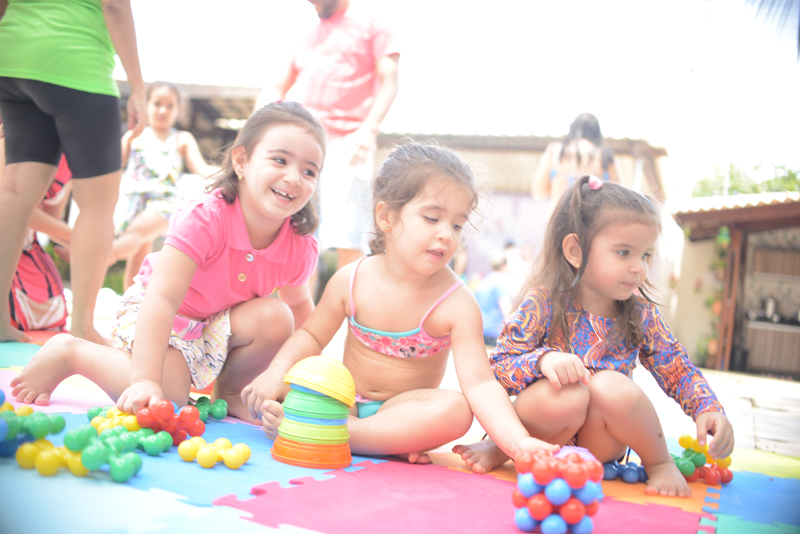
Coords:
742,214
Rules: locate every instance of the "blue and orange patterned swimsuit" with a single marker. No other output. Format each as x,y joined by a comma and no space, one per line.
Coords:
524,337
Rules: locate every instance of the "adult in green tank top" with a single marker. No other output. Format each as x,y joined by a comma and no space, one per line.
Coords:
57,95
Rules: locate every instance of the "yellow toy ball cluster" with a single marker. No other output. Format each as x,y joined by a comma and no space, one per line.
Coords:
208,454
6,407
113,418
48,459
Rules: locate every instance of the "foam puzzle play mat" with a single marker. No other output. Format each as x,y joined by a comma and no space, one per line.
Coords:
79,466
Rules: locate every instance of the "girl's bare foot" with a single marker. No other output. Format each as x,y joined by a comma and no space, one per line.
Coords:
665,480
9,333
46,370
415,457
236,408
482,456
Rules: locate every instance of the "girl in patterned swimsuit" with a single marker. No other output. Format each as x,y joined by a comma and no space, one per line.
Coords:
570,348
405,309
154,184
202,309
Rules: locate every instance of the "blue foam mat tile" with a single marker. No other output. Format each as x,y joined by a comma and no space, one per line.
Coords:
77,505
726,524
200,486
758,498
17,354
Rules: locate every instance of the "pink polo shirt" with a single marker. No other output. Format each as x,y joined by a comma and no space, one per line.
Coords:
335,67
229,270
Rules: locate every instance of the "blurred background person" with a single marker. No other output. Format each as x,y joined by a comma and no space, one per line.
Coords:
57,95
347,73
581,152
494,300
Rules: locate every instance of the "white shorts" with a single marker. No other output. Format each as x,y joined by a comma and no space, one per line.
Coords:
345,194
203,344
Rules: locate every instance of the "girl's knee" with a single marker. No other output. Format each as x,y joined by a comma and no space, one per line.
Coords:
613,391
455,409
542,400
268,318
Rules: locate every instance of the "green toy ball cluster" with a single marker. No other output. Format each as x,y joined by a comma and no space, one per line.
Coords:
37,424
109,448
147,440
218,410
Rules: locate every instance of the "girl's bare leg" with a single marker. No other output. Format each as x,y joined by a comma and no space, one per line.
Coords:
144,229
411,423
22,188
134,263
65,355
259,329
620,415
90,248
554,416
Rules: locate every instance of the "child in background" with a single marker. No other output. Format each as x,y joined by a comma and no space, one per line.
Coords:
405,308
570,348
37,293
202,312
153,184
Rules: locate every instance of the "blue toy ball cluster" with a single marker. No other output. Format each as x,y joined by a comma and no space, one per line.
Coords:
630,472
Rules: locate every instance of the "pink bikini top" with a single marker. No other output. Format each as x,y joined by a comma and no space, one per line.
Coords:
415,343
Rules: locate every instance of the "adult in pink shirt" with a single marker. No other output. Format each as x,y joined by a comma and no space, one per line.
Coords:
346,74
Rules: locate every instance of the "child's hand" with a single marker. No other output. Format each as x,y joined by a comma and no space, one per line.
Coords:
562,368
716,424
533,445
261,390
139,395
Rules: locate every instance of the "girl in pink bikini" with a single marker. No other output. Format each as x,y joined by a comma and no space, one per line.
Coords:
406,309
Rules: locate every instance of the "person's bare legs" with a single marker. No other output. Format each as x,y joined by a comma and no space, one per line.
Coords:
554,416
91,247
259,329
22,189
346,256
620,415
136,242
134,263
410,424
65,355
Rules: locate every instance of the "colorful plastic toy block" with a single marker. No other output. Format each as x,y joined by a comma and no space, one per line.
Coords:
557,493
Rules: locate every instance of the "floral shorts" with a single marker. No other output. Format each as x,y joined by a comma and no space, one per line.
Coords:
203,344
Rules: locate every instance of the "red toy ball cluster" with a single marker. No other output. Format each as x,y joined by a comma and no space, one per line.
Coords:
712,474
557,494
161,416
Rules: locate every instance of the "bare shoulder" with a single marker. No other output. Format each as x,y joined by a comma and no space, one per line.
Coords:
185,138
337,289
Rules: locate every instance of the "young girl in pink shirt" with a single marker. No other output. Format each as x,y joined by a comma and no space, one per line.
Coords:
199,311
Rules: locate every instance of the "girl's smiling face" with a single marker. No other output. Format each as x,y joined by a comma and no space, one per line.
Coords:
162,108
619,258
280,175
427,231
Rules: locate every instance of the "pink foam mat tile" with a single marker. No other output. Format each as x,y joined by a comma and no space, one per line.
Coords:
396,497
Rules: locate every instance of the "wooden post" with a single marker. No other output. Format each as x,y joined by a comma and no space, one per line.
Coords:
728,316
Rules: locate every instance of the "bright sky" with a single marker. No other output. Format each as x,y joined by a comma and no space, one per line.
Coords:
702,78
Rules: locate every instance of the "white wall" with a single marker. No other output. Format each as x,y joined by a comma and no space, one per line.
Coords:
688,316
